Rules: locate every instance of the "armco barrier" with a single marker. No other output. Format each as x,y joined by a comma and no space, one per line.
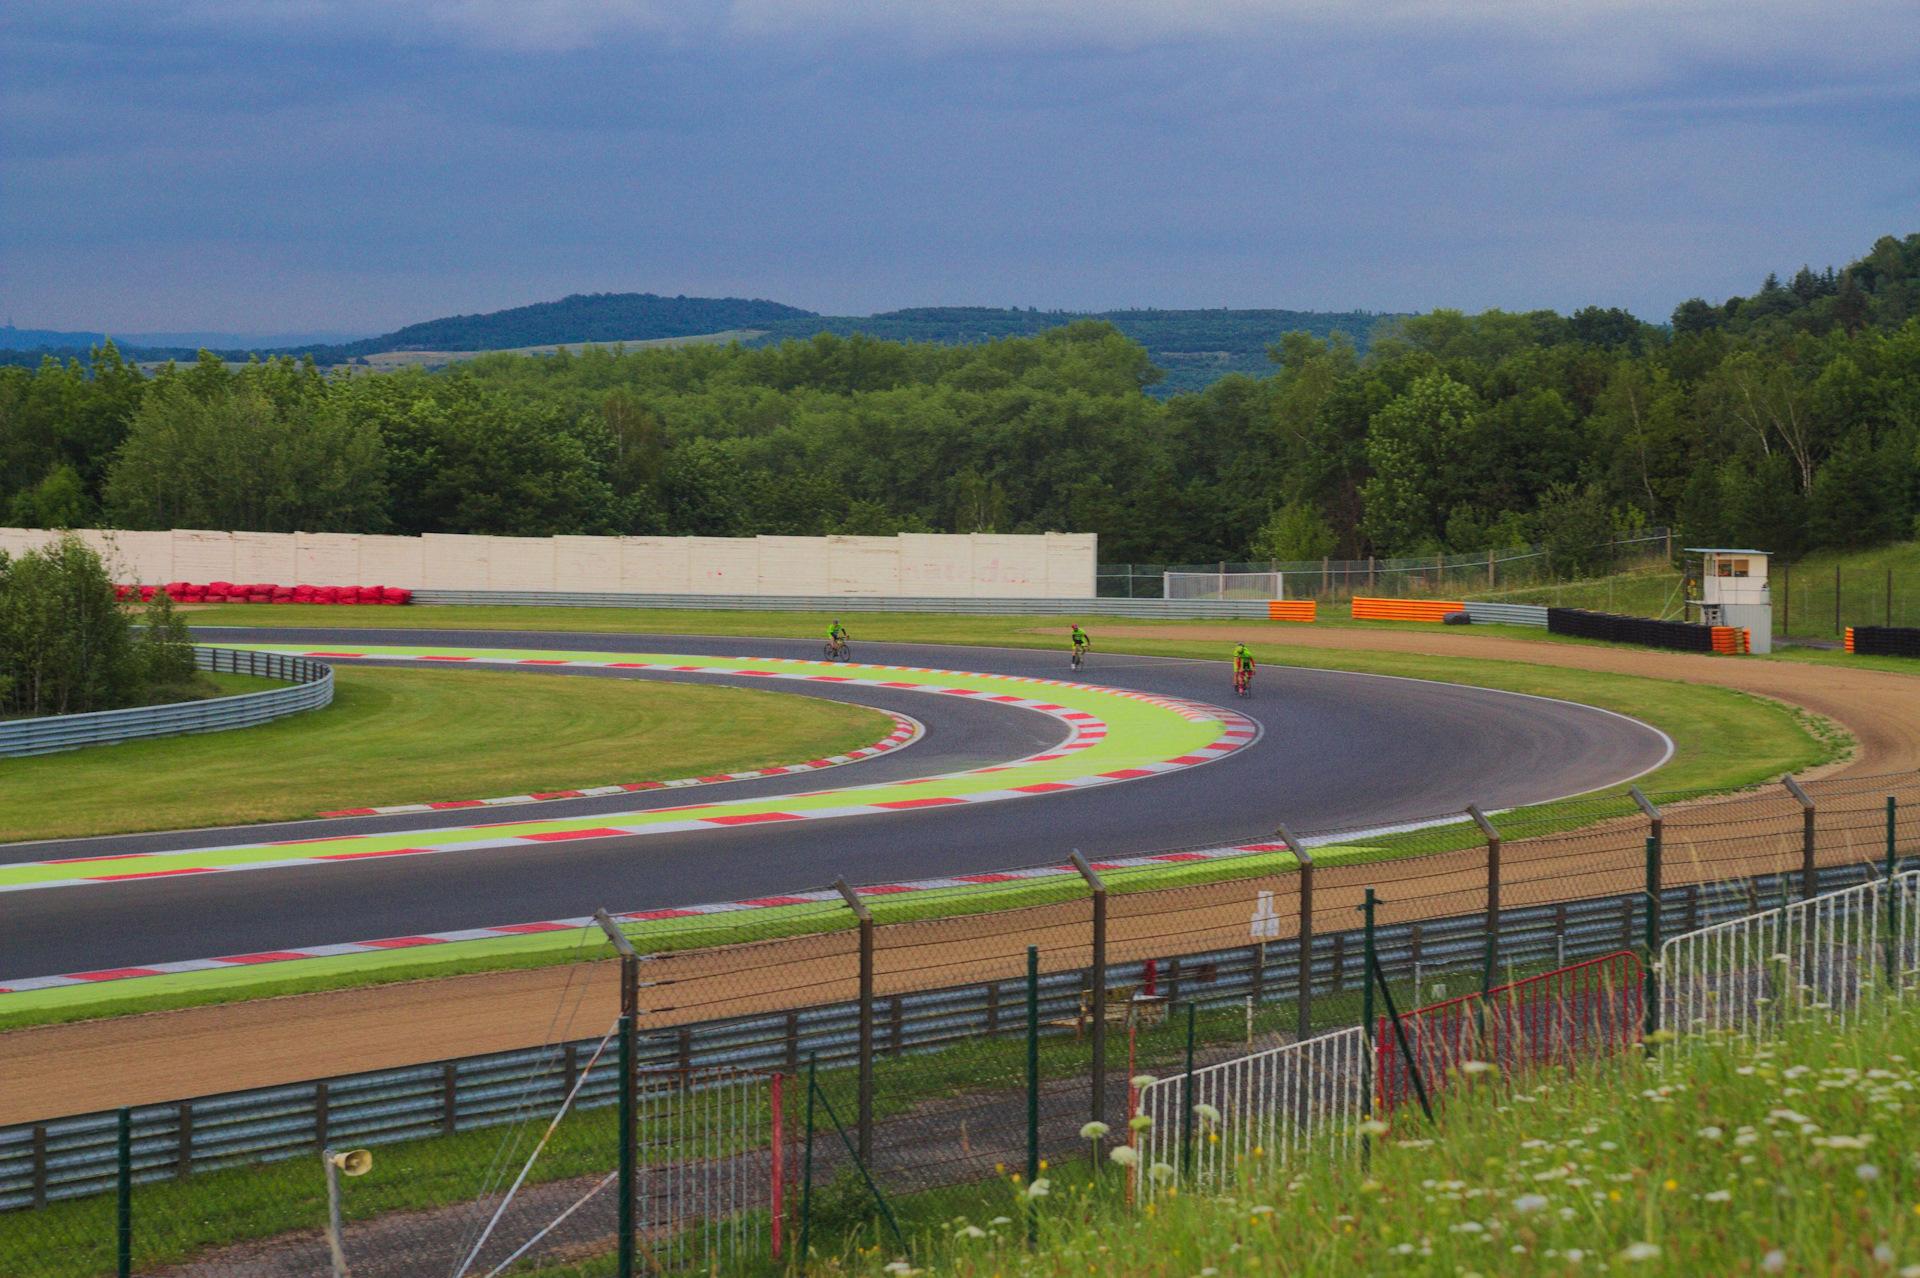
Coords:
1506,614
1220,609
1292,610
1404,609
1884,641
1681,636
311,687
74,1157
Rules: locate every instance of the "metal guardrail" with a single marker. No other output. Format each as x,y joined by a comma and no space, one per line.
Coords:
1200,608
75,1157
311,687
1507,614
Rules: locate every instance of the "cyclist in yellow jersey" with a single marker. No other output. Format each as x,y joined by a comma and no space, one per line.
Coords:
836,633
1081,640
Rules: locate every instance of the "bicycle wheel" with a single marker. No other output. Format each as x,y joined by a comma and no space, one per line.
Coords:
828,652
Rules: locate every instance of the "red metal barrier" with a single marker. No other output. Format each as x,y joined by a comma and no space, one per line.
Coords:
1590,1009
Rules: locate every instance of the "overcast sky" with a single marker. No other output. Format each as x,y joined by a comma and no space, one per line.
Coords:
361,164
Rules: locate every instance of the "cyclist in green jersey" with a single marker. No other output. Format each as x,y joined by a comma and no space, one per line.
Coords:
1081,640
836,633
1242,659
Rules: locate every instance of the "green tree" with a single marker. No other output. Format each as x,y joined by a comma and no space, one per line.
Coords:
65,645
1296,531
1411,440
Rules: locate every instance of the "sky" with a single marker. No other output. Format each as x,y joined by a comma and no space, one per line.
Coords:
277,165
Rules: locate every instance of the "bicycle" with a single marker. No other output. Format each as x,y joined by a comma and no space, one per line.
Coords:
1079,655
1243,683
838,650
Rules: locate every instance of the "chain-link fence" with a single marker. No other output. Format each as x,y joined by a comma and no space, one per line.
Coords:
1822,602
874,1060
1441,576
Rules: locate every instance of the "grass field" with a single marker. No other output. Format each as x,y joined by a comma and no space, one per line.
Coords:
1726,1157
408,736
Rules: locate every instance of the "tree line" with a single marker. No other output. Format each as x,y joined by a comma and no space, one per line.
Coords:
1788,420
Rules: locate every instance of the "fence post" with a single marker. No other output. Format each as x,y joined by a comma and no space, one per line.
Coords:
1099,984
806,1184
1492,836
1366,1031
1304,994
1652,995
864,1117
1033,1063
626,1163
1836,599
183,1157
1186,1100
1893,903
39,1166
123,1206
1808,884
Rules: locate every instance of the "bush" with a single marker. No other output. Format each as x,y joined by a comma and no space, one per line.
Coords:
67,647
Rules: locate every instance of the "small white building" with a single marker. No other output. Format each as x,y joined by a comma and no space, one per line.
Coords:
1734,592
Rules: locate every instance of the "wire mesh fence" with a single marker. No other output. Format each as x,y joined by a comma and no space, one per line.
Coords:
956,1035
1444,576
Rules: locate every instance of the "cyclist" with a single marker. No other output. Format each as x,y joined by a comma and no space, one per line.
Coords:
1242,667
836,636
1081,642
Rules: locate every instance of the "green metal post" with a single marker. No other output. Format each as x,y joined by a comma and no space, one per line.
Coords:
1366,1032
1651,1011
806,1184
123,1218
1186,1101
626,1163
1033,1062
1893,904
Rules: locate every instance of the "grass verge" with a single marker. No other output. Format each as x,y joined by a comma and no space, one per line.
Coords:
1793,1156
411,736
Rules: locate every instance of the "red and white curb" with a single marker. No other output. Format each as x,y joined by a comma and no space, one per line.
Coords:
906,731
392,943
1085,730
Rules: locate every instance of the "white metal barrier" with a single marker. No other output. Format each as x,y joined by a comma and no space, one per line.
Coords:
1271,1105
1818,956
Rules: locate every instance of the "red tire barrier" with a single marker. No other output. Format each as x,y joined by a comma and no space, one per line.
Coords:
267,592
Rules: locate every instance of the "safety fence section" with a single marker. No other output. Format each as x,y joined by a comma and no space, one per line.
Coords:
1571,1014
1268,1107
1884,641
1821,955
311,687
1506,614
1405,609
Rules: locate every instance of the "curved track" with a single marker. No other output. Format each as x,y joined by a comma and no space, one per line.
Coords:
1332,749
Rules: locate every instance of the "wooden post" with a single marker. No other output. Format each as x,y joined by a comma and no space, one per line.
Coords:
183,1150
320,1115
1489,567
449,1096
39,1166
1836,599
1809,878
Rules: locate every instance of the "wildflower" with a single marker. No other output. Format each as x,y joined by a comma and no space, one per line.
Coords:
1709,1133
1263,1210
1883,1254
1661,1036
1124,1155
1719,1196
1670,1184
1094,1131
1373,1127
1471,1068
1867,1172
971,1231
1774,1262
1161,1173
1206,1114
1001,1220
1143,1081
1640,1251
1140,1122
1527,1204
1039,1188
1574,1255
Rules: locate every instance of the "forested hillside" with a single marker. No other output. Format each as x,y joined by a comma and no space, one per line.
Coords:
1788,420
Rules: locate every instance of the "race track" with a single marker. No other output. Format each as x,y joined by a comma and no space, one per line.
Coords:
1330,750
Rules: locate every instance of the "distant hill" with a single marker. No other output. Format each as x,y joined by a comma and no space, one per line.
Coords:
1194,348
583,317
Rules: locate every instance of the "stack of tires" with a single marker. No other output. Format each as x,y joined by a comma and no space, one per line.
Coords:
262,593
1681,636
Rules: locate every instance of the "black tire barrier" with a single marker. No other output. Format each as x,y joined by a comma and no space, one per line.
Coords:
1886,641
1456,619
1680,636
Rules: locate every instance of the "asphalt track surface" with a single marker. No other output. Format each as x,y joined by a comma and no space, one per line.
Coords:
1337,750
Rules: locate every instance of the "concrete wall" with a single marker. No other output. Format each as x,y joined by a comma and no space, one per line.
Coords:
913,565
